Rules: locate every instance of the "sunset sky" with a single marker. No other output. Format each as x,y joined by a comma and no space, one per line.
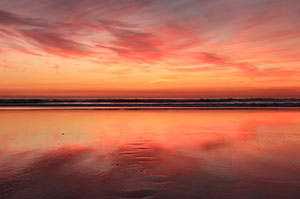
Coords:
150,48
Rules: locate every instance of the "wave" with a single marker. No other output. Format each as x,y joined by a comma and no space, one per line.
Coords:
150,102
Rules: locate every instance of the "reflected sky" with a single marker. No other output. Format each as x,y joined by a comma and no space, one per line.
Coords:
150,154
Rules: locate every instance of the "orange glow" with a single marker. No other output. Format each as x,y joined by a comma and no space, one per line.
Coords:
150,152
150,48
111,129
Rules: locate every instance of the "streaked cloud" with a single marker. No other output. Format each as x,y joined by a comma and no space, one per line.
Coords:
252,41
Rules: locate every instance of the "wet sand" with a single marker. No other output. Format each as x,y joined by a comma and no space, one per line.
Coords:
150,154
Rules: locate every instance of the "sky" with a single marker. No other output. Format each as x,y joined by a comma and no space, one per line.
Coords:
150,48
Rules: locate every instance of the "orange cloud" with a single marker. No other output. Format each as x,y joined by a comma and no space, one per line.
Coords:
205,44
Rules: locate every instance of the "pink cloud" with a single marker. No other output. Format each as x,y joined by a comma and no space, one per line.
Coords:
54,43
186,36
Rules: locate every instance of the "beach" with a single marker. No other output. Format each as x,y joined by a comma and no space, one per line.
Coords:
241,153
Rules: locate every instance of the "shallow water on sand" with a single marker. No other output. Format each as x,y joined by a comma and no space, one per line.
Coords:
150,154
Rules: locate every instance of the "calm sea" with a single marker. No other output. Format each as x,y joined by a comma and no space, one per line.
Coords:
89,154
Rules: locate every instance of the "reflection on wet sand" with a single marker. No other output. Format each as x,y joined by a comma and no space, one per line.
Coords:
150,154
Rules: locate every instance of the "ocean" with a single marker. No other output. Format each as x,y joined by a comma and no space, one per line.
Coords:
155,153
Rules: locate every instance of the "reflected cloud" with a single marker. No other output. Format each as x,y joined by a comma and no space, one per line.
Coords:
149,154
